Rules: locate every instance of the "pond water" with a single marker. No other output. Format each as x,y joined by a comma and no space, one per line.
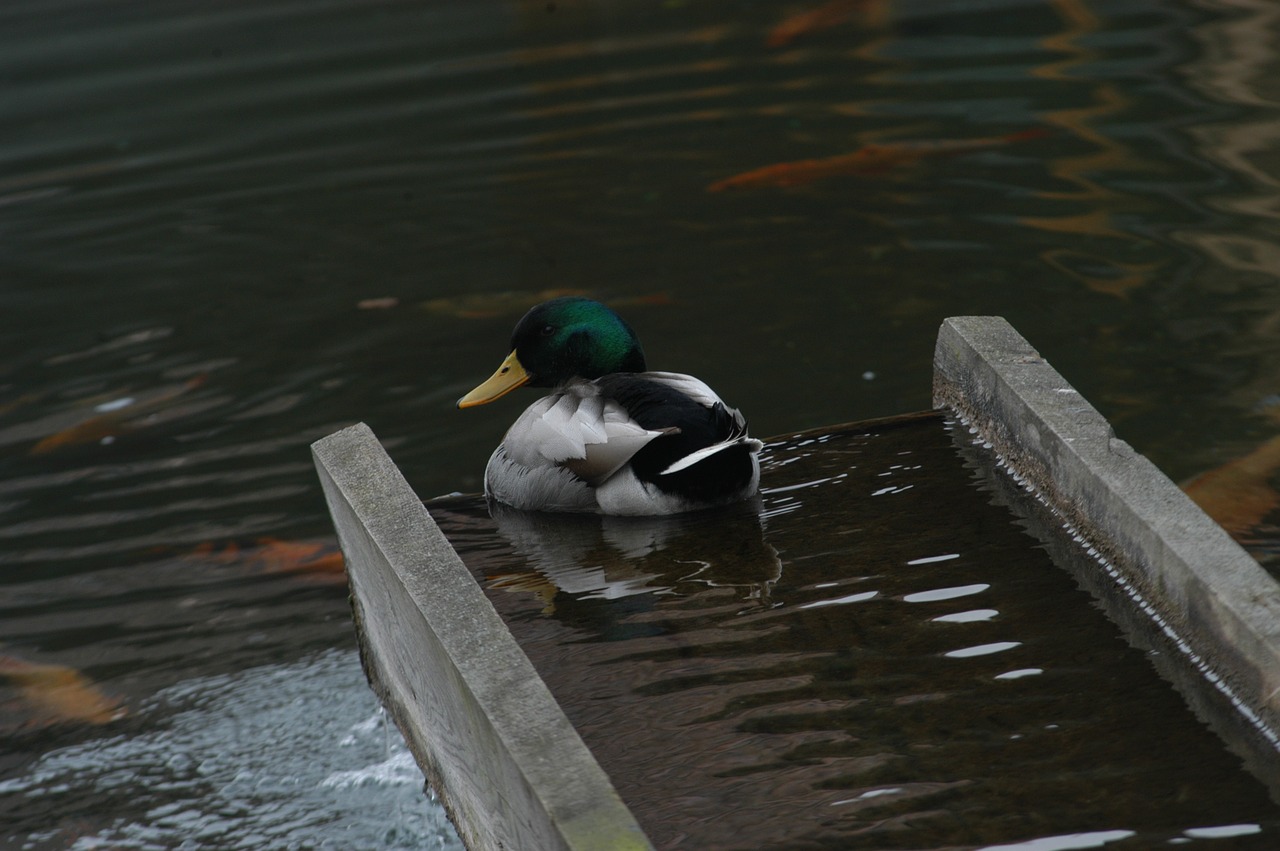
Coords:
228,229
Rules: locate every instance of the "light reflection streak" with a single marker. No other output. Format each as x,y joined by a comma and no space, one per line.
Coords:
811,484
1223,831
982,649
1066,842
970,616
939,594
1019,673
840,601
933,559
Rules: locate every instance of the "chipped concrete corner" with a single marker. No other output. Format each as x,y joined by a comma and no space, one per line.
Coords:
1205,588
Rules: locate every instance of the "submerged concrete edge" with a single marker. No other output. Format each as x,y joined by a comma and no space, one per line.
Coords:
508,765
1204,587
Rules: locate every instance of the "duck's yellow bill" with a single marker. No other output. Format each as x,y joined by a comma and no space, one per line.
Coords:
508,377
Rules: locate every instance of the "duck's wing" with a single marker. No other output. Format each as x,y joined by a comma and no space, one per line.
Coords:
690,387
698,391
579,429
702,425
750,443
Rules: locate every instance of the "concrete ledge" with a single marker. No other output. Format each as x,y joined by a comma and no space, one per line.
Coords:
510,768
1180,566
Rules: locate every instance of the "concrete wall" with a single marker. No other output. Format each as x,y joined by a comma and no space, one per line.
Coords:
1179,566
509,767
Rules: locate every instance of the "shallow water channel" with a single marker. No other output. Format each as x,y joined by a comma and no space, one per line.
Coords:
877,656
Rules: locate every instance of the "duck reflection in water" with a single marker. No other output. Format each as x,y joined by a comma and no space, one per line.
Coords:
600,557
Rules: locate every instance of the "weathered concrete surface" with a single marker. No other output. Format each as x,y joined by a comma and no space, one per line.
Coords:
1204,587
510,768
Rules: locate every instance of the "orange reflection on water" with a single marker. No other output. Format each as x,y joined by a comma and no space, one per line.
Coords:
318,560
114,417
1108,155
1100,274
56,694
824,17
1239,495
868,160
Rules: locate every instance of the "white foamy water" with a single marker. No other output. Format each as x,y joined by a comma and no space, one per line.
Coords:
282,756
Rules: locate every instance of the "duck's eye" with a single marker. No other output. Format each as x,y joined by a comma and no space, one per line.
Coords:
547,330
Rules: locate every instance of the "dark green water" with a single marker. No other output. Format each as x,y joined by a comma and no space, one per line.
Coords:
196,198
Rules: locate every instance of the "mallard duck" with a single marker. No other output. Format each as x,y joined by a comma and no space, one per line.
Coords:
611,438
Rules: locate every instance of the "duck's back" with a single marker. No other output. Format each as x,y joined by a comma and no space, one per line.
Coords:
657,400
627,443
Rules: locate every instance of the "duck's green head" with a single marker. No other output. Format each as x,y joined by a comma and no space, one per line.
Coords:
559,340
